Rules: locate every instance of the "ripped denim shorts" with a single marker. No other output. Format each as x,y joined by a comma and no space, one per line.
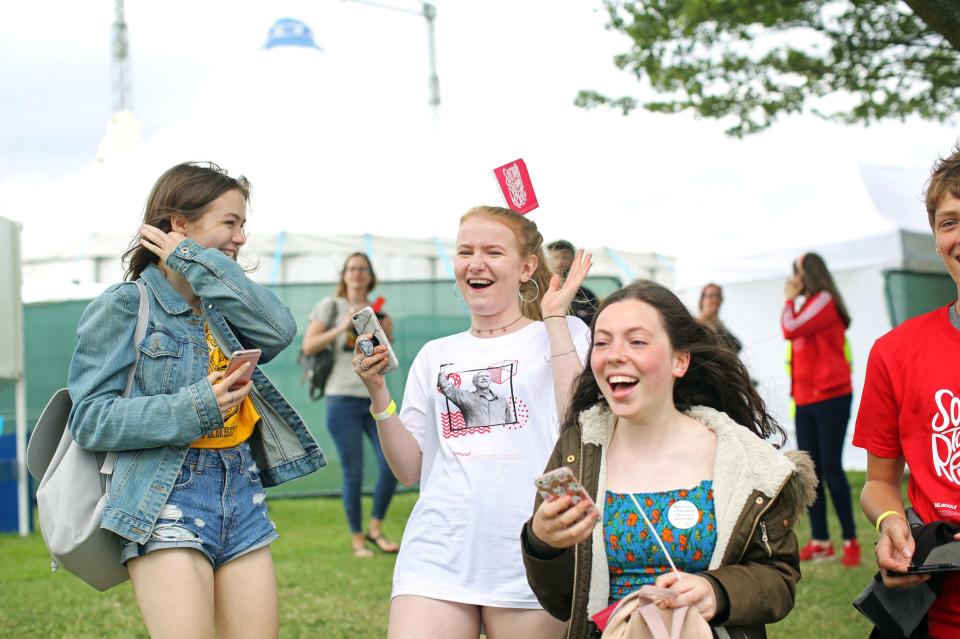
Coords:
217,506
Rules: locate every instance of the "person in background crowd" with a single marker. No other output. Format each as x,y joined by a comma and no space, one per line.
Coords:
908,416
560,255
348,419
711,297
459,564
195,448
822,392
666,420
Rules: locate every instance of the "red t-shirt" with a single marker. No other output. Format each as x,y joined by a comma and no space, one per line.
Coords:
911,406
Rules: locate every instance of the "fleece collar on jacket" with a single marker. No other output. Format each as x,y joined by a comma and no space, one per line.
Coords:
743,463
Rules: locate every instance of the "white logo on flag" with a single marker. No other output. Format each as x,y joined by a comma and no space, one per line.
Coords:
518,195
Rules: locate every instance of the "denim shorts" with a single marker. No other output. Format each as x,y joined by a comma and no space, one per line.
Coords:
217,506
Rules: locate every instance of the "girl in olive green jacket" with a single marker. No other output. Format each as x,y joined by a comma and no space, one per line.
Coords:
678,430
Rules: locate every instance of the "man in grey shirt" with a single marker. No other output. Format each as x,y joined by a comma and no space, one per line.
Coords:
481,406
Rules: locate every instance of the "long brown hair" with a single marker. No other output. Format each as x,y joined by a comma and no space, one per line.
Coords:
342,285
530,242
817,278
185,190
715,376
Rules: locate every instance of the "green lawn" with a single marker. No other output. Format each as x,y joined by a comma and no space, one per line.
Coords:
324,592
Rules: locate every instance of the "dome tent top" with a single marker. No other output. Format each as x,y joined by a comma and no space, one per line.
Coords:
290,32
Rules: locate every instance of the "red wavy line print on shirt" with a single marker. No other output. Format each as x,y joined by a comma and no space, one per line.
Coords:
458,427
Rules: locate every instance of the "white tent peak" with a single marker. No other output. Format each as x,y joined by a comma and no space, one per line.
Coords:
122,138
897,193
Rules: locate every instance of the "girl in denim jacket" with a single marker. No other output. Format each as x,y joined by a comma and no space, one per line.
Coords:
194,454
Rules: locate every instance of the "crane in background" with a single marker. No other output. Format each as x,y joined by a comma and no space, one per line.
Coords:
429,13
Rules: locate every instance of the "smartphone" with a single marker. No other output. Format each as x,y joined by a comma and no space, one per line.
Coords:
559,482
365,321
237,359
926,569
943,558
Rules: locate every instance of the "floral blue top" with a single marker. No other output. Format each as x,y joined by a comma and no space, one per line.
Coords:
683,518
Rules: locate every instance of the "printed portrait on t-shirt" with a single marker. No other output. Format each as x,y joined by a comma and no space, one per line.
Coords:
490,401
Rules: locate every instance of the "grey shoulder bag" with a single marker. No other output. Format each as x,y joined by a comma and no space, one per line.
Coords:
74,483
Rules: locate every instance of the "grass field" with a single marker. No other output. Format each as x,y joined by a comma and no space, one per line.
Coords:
325,592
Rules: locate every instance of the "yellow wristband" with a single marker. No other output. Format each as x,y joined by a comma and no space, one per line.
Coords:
390,410
886,514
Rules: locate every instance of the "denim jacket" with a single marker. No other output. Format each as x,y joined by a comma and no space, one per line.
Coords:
171,403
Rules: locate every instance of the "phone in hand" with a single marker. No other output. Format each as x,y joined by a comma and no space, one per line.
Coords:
942,558
559,482
365,321
237,359
925,569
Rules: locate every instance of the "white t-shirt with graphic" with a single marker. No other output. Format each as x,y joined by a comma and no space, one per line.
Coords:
484,414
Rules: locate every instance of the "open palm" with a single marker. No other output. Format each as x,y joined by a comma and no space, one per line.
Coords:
556,300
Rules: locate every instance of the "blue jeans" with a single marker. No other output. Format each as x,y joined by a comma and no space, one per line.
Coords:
217,506
348,420
822,431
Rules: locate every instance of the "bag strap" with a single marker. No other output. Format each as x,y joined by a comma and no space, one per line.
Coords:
679,616
334,314
138,334
143,314
651,615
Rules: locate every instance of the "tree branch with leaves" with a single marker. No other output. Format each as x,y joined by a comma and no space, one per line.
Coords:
751,61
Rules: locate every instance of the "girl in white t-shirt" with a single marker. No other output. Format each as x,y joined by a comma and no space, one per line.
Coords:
479,420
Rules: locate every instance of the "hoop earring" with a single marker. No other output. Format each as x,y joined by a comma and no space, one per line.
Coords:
457,295
535,297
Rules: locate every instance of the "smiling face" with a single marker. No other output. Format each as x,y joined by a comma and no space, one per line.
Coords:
633,361
221,226
946,233
489,267
481,380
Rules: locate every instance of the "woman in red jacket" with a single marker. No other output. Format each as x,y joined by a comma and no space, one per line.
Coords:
822,393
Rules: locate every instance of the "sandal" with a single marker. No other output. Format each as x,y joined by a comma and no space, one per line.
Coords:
383,544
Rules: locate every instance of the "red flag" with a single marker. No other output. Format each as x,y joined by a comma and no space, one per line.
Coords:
378,304
514,181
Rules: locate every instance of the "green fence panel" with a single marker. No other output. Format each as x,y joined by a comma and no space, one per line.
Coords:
422,311
911,293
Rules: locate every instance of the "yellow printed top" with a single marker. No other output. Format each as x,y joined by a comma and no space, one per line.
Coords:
239,421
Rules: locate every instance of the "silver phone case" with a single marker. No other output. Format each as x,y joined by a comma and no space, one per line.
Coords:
365,321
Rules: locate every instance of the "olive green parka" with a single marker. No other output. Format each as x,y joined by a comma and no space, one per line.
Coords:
758,494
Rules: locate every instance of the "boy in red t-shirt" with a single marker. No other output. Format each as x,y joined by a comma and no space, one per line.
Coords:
910,414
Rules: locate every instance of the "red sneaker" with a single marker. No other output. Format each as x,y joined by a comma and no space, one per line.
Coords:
851,553
815,552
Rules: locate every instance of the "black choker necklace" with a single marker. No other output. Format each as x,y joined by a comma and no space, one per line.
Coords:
494,330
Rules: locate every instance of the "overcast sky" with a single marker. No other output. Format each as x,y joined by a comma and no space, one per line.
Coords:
509,71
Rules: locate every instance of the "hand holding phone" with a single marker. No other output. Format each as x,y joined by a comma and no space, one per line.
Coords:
556,522
559,482
943,558
237,359
365,322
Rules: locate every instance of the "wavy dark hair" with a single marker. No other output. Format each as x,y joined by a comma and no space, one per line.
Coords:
816,278
715,377
185,190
